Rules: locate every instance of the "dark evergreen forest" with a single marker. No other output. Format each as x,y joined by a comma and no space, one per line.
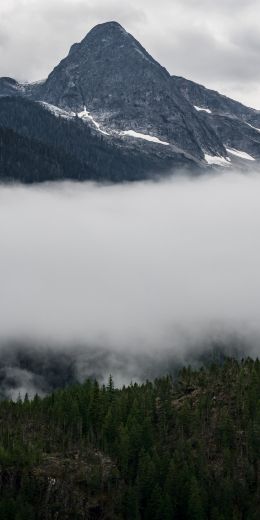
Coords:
37,146
170,449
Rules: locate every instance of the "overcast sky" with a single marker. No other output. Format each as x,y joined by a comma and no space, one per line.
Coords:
216,43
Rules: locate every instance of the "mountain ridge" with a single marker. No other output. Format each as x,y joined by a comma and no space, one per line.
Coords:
118,90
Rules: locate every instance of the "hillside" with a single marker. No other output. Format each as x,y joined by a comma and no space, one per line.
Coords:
37,146
27,160
164,450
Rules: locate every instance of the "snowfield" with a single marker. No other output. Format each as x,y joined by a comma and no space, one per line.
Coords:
240,154
216,159
86,115
254,127
132,133
200,109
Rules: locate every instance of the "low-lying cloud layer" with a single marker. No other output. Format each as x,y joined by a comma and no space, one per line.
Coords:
148,269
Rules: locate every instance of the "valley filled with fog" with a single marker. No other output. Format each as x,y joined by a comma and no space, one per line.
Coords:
125,279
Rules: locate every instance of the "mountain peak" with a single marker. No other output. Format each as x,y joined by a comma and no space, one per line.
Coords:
112,25
108,33
125,90
99,33
103,35
108,67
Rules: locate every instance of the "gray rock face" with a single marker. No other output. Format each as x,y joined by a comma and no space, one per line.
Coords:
9,87
111,74
236,125
112,79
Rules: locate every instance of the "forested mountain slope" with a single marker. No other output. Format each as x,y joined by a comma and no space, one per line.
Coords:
27,160
47,147
164,450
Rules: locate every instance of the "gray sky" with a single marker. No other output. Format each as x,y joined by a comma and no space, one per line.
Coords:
216,43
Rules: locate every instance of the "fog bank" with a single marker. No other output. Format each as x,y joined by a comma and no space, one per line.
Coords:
141,268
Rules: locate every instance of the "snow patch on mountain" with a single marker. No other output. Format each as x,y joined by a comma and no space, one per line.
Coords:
216,159
240,154
86,115
254,127
201,109
138,135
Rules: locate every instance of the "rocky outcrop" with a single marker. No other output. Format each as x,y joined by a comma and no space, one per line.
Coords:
62,487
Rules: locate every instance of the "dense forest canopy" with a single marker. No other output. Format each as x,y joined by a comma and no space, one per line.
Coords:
164,450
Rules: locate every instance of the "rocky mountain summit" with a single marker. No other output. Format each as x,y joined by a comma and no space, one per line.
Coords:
131,109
